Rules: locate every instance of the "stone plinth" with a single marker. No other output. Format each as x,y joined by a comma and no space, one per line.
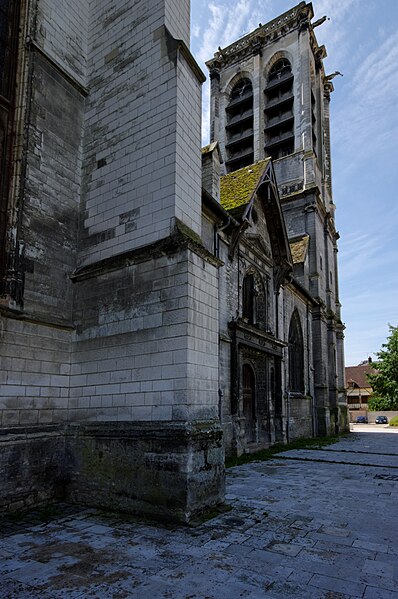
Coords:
170,471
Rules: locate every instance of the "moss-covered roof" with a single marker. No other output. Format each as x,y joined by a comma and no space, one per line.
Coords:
237,188
298,248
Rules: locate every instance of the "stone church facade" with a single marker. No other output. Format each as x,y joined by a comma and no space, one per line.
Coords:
146,324
270,100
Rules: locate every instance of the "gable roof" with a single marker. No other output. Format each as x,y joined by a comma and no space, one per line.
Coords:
237,188
357,374
299,248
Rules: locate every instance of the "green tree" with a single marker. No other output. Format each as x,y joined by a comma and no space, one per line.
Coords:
385,381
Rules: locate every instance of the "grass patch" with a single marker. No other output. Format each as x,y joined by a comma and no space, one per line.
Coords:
394,421
267,454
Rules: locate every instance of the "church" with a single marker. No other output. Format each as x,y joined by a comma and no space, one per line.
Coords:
281,335
160,305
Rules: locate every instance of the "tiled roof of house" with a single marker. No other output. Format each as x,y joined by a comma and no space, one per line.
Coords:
357,374
299,248
237,188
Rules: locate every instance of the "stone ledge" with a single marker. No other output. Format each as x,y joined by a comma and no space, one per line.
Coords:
181,238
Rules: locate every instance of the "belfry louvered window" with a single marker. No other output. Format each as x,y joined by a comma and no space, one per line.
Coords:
279,116
239,128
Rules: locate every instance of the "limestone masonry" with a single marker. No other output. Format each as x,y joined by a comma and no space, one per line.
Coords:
160,305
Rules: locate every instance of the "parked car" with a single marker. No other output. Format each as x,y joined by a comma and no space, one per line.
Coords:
361,420
381,420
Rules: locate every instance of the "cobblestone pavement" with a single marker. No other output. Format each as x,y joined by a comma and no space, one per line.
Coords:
301,526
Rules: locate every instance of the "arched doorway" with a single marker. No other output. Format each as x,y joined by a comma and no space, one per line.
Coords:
249,403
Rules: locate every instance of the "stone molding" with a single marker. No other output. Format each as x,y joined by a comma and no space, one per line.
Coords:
181,238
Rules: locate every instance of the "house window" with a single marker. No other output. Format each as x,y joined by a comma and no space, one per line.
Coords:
296,355
279,115
239,128
248,295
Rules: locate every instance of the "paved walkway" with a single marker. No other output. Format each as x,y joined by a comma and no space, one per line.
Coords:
301,527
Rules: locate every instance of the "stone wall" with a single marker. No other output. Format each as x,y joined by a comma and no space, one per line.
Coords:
147,339
61,31
167,471
142,144
32,466
300,418
48,232
34,377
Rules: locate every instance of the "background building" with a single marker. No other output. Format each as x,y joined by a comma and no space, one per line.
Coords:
358,387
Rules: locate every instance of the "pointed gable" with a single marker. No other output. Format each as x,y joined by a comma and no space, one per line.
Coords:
239,190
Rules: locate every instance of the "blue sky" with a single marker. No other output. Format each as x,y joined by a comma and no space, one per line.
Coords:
361,39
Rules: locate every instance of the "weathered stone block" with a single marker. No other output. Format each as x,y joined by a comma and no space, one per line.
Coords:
165,470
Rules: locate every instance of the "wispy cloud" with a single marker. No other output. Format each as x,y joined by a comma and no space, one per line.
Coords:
334,32
368,120
367,329
369,288
366,256
357,252
226,22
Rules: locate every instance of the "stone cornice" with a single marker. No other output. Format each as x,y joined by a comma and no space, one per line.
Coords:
175,46
181,238
252,336
251,44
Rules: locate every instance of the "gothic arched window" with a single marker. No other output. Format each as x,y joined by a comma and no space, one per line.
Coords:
239,128
296,355
279,116
248,295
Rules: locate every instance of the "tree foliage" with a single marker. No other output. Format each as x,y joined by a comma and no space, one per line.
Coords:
385,381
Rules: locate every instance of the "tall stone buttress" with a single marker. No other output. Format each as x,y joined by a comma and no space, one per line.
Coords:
109,306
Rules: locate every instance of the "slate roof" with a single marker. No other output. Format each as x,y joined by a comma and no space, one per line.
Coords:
299,248
237,188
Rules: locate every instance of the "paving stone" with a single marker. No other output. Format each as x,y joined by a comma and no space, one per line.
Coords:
335,584
301,540
375,593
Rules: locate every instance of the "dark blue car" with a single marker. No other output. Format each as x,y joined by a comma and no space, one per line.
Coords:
361,420
381,420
